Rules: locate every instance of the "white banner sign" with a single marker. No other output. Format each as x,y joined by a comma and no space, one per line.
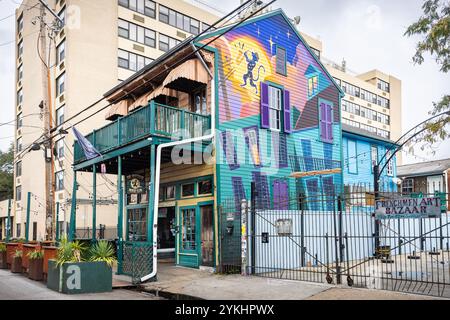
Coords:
408,208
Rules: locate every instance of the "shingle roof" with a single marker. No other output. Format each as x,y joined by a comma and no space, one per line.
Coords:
423,168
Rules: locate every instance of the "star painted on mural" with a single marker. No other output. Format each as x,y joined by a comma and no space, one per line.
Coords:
288,34
271,44
258,32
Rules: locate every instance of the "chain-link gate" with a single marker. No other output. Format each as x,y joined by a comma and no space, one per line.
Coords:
332,238
137,259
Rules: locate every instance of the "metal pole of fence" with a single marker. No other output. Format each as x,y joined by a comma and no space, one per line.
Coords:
302,230
253,223
341,245
244,238
337,248
376,187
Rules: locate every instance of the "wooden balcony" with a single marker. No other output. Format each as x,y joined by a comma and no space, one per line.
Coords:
153,120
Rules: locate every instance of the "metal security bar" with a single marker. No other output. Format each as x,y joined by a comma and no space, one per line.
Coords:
330,237
137,259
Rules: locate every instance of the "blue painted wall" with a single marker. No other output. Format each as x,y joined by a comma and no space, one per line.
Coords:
357,168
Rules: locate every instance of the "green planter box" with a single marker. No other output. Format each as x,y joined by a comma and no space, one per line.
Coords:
81,277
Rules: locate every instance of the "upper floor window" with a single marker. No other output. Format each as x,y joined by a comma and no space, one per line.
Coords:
18,193
59,116
383,102
19,144
390,165
275,108
179,20
19,120
60,84
59,180
20,73
146,7
18,168
20,97
383,85
350,89
199,101
61,52
137,33
131,61
20,49
350,122
205,187
316,52
20,24
374,155
60,149
368,96
281,61
166,43
62,15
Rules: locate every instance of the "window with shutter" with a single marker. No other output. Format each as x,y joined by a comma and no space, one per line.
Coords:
326,120
275,108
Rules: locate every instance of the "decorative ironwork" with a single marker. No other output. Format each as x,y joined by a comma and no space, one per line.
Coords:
137,259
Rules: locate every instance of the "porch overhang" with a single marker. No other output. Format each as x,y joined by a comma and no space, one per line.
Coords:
187,76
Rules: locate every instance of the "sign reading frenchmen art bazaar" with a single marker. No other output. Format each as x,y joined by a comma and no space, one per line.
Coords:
408,208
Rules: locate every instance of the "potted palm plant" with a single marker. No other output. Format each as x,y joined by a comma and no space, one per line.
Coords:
3,256
36,265
16,265
78,269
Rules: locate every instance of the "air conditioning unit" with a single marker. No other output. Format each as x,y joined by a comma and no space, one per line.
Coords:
19,84
19,132
352,99
18,180
62,33
20,59
20,35
61,98
138,48
60,196
352,116
384,110
181,34
369,104
369,121
138,18
61,66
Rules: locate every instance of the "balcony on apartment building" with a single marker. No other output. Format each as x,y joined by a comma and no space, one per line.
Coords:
172,106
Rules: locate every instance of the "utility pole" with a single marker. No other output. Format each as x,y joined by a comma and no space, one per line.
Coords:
46,94
50,217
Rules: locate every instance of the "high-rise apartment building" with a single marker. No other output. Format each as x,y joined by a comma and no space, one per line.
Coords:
373,100
101,43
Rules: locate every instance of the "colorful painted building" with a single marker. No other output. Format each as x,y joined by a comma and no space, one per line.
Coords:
362,150
191,131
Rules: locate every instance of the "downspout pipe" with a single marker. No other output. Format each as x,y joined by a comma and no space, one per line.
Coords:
158,169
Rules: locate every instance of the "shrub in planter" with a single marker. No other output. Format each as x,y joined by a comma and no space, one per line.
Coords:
81,270
16,266
11,248
3,256
27,248
36,265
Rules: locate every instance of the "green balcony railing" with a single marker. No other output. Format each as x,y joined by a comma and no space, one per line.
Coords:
154,120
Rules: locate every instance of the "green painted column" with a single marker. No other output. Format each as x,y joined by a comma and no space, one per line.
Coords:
151,194
27,226
94,202
73,209
119,215
8,231
57,222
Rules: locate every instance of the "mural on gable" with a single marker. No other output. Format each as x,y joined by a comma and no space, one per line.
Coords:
247,58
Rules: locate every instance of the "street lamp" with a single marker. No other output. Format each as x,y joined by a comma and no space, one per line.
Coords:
377,171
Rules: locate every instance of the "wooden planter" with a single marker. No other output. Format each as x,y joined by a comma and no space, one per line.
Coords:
3,264
27,248
16,265
81,277
11,248
49,253
36,269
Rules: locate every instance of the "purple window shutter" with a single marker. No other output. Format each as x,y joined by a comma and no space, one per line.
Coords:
287,112
323,123
280,195
329,123
265,122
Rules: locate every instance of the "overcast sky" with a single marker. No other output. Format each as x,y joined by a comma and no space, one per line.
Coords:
368,34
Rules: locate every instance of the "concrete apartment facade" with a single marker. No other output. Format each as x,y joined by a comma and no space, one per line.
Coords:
90,54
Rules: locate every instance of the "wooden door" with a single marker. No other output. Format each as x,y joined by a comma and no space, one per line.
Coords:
207,236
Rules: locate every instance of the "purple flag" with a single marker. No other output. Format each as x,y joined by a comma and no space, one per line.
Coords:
89,150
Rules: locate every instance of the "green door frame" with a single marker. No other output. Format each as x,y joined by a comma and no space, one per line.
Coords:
198,228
